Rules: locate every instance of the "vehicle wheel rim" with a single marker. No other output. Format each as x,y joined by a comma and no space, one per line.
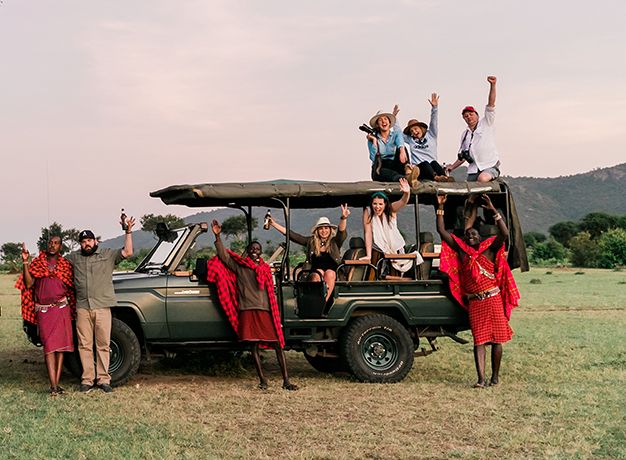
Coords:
379,352
116,357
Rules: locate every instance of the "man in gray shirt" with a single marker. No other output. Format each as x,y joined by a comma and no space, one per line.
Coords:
93,280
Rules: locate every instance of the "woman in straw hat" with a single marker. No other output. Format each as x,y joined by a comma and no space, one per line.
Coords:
323,247
422,143
386,148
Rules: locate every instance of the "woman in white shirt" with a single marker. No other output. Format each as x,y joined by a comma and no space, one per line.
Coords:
380,226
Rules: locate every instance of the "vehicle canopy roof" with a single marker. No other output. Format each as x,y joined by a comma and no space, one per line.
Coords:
307,195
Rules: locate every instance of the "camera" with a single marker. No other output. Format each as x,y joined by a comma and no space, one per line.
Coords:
465,155
366,129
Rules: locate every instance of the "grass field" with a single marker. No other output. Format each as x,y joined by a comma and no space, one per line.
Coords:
562,395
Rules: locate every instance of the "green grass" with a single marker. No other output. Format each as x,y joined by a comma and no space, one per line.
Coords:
572,288
561,396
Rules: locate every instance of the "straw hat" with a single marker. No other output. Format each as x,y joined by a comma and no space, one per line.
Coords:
374,120
412,123
322,222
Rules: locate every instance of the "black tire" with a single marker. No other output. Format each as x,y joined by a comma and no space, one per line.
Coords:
125,355
327,364
377,349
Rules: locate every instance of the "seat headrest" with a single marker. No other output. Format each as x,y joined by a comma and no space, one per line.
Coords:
426,237
357,242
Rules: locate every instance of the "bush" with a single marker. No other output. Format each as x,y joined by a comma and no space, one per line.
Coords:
612,248
564,231
585,252
549,253
532,238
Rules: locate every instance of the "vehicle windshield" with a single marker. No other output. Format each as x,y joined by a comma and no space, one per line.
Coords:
162,252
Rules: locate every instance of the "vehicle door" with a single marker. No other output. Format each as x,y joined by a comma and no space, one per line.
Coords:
193,310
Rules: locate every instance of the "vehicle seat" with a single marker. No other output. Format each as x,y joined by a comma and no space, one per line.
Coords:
356,251
200,269
427,244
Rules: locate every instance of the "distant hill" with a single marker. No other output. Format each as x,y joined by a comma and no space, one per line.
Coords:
541,202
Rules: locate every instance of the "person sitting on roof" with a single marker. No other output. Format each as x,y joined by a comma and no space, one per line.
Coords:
380,226
422,143
323,247
478,146
387,152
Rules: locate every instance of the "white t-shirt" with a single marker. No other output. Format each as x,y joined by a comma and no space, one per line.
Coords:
481,143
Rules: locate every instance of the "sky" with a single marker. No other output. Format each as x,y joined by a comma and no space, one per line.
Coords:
104,102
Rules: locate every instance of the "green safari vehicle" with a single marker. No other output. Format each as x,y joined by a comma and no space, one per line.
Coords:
372,327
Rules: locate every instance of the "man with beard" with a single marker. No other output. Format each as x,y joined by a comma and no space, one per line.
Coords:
93,278
245,289
47,287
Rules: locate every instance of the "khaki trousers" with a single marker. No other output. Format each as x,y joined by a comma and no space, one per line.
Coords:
89,324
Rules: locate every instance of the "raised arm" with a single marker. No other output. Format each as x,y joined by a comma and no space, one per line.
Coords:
127,250
293,236
406,194
223,255
441,226
491,101
503,231
29,281
470,211
433,126
343,220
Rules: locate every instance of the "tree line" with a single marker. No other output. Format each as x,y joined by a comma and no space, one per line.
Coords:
234,229
598,240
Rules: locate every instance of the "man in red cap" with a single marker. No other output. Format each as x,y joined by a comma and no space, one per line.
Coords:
478,146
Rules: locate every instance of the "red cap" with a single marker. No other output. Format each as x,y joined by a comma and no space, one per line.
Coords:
468,108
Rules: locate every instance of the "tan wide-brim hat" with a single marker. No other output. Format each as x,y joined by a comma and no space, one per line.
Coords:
392,119
322,222
412,123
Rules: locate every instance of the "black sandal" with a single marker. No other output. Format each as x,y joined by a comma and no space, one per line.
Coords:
290,387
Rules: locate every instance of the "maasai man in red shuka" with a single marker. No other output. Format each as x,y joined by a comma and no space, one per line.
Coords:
482,282
48,300
246,291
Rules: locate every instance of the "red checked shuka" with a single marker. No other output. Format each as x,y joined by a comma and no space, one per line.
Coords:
485,289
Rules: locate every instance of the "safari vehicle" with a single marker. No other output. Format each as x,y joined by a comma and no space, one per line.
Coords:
372,327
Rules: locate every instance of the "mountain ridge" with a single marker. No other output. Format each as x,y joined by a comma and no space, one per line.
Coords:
541,203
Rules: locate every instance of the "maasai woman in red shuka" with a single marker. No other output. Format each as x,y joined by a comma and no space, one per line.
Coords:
482,282
48,300
246,291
